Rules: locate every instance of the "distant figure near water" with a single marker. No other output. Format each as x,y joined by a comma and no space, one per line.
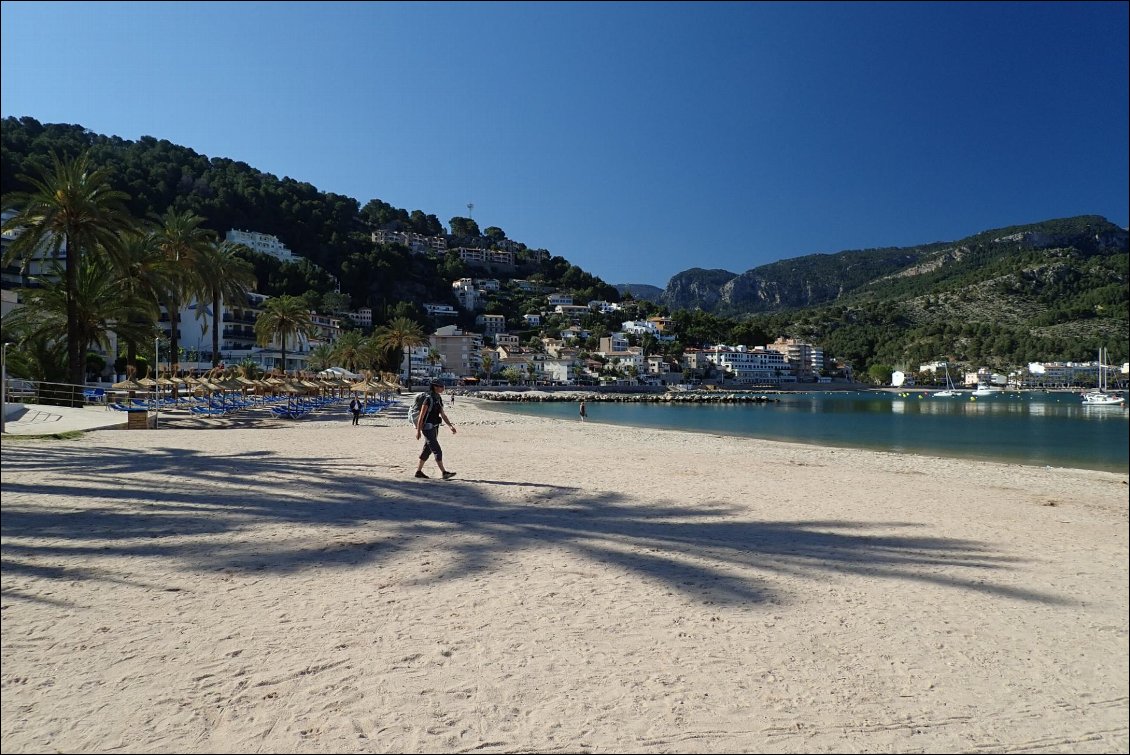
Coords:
584,412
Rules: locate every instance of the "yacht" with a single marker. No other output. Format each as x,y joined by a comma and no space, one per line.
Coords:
1099,396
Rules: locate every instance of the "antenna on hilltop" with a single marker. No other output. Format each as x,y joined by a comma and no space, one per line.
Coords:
470,208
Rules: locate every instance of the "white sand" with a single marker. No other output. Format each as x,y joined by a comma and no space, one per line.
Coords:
284,587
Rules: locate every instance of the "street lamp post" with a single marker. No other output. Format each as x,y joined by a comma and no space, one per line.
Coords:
156,386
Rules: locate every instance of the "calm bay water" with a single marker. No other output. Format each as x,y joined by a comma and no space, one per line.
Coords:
1045,429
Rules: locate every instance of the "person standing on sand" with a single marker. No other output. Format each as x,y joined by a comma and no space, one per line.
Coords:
355,408
428,424
584,413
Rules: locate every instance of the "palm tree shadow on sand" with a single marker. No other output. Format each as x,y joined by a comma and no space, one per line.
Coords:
122,502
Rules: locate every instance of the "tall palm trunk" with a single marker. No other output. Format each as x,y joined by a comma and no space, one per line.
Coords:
216,322
174,335
75,367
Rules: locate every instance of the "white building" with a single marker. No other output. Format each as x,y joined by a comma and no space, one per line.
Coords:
468,296
363,317
759,366
440,310
421,363
603,307
640,327
261,242
237,336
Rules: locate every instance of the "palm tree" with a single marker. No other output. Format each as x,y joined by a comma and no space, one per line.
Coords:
72,207
283,317
101,303
182,243
350,350
138,261
434,357
398,335
226,277
320,357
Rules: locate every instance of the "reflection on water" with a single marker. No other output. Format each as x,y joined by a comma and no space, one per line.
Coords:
1028,428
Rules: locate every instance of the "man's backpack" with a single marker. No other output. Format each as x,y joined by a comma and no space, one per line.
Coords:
417,407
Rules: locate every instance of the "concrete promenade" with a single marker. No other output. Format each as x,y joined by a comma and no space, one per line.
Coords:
42,419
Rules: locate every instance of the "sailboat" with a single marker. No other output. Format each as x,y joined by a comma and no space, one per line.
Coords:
949,391
1099,396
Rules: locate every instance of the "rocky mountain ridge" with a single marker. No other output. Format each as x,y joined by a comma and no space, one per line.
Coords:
826,278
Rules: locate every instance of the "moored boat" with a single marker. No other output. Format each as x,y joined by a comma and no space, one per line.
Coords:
1100,396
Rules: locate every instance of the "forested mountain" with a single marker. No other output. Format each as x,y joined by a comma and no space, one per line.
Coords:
643,291
932,268
331,232
1051,290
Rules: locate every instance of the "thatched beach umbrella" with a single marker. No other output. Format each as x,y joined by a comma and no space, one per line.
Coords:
130,386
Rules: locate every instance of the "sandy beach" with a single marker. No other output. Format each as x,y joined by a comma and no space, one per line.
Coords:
270,586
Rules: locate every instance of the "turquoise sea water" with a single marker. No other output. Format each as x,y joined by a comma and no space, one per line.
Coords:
1044,429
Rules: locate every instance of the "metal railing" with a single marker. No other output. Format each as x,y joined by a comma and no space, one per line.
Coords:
22,391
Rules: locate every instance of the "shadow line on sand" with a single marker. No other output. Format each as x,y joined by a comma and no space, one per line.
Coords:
118,502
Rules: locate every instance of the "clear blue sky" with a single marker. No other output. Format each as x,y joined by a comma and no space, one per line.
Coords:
636,140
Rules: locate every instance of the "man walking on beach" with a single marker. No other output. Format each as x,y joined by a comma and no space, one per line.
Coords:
355,408
584,413
428,424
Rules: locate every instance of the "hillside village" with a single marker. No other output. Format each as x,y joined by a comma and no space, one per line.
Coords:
548,345
1020,305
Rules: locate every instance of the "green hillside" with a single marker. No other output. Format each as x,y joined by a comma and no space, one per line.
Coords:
1051,290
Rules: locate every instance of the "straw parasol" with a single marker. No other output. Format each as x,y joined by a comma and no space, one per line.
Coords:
129,384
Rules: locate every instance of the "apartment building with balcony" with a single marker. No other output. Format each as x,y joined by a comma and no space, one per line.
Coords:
460,351
417,243
616,342
362,317
807,360
440,310
472,256
757,366
491,325
261,242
